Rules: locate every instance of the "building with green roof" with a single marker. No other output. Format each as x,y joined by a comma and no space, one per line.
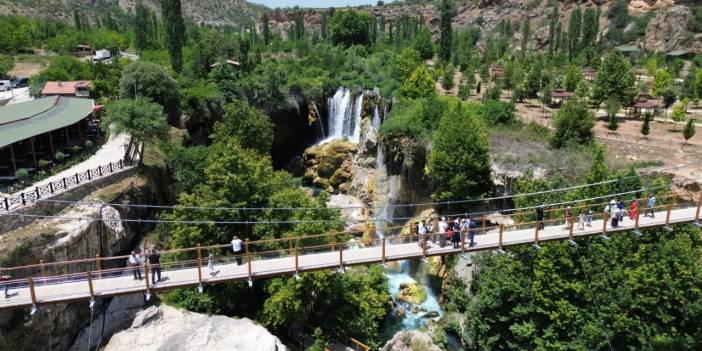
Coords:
37,129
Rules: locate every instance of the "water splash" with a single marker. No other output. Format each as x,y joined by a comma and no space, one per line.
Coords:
376,118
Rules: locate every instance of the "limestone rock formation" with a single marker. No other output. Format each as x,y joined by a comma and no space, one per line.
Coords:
412,292
168,328
330,166
671,29
355,215
410,341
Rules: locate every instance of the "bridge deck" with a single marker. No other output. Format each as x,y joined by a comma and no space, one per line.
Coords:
110,283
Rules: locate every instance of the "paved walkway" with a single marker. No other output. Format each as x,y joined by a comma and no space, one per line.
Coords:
112,151
183,274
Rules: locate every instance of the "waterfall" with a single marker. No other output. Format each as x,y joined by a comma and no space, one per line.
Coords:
380,187
356,127
376,118
321,135
344,116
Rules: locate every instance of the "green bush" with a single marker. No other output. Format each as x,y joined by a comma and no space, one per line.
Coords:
21,173
88,144
43,163
60,156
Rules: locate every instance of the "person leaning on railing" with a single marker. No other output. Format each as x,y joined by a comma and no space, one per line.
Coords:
236,247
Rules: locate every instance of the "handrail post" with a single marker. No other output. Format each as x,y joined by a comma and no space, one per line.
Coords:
199,264
502,231
699,208
667,214
297,261
146,277
333,244
424,246
42,268
463,240
248,257
383,241
98,262
636,223
341,257
290,244
484,223
90,284
536,236
32,293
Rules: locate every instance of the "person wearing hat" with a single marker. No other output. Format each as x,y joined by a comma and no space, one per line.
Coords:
442,229
614,213
422,232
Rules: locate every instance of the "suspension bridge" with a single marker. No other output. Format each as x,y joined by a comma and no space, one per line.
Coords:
102,277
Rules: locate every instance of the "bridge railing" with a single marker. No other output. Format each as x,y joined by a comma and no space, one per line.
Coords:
87,277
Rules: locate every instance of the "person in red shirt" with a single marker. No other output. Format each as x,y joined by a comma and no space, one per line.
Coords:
634,209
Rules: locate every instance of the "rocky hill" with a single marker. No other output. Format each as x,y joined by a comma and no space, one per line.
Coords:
489,13
210,12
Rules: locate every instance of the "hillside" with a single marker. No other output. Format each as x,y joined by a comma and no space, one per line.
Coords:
210,12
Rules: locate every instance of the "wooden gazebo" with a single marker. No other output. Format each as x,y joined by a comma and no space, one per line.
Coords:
559,96
35,130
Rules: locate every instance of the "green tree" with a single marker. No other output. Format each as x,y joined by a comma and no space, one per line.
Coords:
407,63
77,20
350,28
689,130
142,119
689,88
590,28
573,77
574,29
613,106
526,32
142,26
678,114
145,79
614,78
6,65
574,123
646,127
552,25
422,43
447,82
664,88
266,30
172,18
460,161
496,112
250,126
447,12
419,84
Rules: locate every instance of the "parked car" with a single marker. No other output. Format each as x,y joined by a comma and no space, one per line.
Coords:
5,85
20,83
102,55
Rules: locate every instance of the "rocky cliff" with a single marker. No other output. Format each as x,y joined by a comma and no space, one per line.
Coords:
168,328
673,29
55,327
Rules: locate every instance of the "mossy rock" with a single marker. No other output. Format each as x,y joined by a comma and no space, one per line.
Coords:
326,170
340,176
309,176
412,293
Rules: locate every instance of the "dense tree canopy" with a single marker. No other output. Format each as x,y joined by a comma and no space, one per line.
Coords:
144,79
614,78
251,127
562,298
459,160
142,119
574,123
350,28
419,84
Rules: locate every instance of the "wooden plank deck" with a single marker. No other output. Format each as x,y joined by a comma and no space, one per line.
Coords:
58,289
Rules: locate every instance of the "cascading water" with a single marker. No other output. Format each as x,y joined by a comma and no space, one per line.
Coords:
321,135
376,118
344,116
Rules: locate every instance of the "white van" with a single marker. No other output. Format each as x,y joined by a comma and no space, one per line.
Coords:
5,85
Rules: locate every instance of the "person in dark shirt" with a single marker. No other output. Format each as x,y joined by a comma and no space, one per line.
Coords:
155,264
540,216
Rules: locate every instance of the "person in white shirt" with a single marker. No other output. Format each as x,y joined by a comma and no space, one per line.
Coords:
422,231
442,228
135,262
236,246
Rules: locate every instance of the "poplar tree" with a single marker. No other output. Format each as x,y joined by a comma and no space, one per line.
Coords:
525,35
553,23
446,32
590,28
267,30
76,20
174,31
141,26
574,31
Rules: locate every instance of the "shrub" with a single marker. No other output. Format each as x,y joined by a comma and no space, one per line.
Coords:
574,123
60,156
88,144
75,148
43,163
689,130
22,174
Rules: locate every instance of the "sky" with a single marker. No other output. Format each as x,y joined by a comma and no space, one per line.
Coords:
314,3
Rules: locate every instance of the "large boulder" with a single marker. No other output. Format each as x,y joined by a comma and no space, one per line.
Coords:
410,341
330,165
672,29
168,328
353,211
412,292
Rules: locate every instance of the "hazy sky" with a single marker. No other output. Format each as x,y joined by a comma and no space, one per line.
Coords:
315,3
